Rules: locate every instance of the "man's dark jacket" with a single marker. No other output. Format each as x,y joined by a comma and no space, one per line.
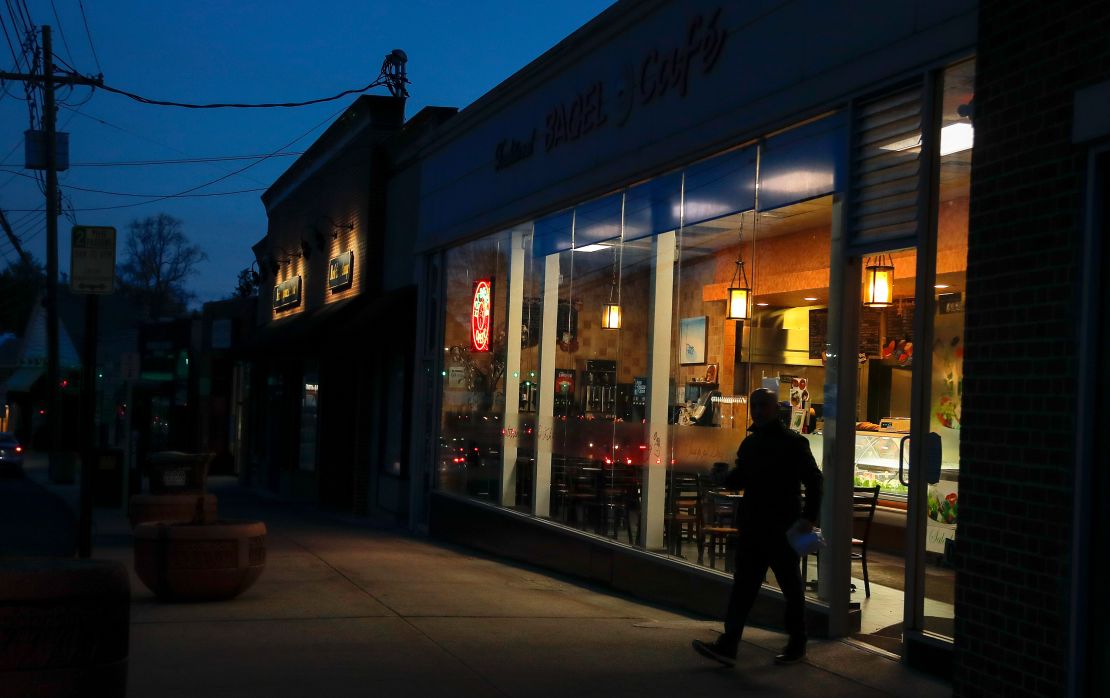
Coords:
772,464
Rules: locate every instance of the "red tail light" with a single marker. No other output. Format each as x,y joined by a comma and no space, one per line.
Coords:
19,449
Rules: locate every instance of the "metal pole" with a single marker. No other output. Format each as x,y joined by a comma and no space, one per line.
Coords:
88,426
54,414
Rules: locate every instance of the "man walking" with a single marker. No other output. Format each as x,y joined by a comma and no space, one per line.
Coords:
772,464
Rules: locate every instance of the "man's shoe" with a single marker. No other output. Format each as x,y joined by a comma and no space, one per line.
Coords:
716,651
791,655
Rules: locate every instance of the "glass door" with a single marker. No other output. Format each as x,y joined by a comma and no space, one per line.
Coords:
934,498
909,388
887,361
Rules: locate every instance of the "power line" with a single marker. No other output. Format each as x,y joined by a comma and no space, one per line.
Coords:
182,161
392,75
62,31
85,19
141,137
187,192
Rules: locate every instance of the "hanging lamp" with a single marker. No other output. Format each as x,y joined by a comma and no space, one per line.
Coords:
878,282
739,290
611,311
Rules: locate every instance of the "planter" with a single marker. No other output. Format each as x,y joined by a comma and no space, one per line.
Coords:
200,561
174,472
64,627
169,507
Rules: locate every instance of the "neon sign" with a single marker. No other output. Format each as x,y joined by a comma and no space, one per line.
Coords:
481,323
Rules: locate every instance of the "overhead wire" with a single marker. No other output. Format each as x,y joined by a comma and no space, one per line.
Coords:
149,140
88,34
237,105
182,161
191,190
11,47
61,31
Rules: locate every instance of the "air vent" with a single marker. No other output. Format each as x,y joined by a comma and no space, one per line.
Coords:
886,167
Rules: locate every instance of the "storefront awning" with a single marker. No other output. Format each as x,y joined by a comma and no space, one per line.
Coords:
22,380
336,325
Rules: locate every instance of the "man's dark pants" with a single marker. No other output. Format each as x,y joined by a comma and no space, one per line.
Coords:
755,552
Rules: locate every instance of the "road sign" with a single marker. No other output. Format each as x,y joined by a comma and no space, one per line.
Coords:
92,261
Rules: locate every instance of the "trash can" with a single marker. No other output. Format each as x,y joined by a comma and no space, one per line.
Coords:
107,477
174,472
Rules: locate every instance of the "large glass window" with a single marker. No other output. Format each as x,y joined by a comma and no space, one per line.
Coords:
471,432
635,362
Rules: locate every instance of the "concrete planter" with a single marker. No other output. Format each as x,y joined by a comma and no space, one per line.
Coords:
174,508
200,561
64,627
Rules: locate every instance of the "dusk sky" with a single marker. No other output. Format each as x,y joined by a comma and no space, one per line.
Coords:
243,51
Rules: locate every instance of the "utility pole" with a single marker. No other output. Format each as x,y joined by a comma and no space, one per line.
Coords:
54,415
49,81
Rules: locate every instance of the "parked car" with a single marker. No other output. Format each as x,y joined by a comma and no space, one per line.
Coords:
11,455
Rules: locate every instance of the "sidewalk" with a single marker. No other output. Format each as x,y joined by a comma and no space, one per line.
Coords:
349,610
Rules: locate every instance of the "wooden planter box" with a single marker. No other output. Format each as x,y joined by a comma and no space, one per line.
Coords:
64,627
200,561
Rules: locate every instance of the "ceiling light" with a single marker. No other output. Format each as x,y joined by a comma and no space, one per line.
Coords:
762,305
954,138
739,290
809,298
941,286
590,248
878,283
611,317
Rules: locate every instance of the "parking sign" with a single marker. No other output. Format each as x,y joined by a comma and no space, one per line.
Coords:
92,260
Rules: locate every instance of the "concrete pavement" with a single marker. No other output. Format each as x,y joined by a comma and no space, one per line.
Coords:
345,609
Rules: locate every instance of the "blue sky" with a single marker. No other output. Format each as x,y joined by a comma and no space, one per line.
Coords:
241,51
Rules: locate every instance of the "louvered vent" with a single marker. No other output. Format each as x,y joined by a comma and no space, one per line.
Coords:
886,172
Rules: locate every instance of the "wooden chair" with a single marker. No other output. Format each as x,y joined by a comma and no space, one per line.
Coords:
719,528
864,500
618,494
682,517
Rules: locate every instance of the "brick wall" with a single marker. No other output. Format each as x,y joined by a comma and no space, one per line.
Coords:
1017,455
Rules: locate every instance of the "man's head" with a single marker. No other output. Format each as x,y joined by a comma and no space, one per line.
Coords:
763,406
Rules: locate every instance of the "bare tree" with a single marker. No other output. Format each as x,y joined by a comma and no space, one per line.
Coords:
159,260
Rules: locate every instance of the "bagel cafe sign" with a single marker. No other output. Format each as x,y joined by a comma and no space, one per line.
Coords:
660,71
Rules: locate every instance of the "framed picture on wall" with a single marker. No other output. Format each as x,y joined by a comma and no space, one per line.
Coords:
691,339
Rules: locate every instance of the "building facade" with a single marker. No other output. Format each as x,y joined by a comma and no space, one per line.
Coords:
889,214
322,393
666,211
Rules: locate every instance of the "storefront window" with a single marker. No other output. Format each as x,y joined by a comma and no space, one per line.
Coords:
476,300
948,320
634,368
309,419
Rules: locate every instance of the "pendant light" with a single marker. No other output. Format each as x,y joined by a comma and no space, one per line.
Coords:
611,311
878,282
739,290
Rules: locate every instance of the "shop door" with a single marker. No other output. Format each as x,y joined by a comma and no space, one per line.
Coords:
910,371
910,335
907,450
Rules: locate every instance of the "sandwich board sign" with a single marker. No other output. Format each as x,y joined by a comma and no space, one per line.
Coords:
92,260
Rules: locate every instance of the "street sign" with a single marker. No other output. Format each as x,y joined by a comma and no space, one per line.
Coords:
92,260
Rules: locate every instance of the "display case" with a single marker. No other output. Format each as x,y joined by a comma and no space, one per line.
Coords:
877,463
